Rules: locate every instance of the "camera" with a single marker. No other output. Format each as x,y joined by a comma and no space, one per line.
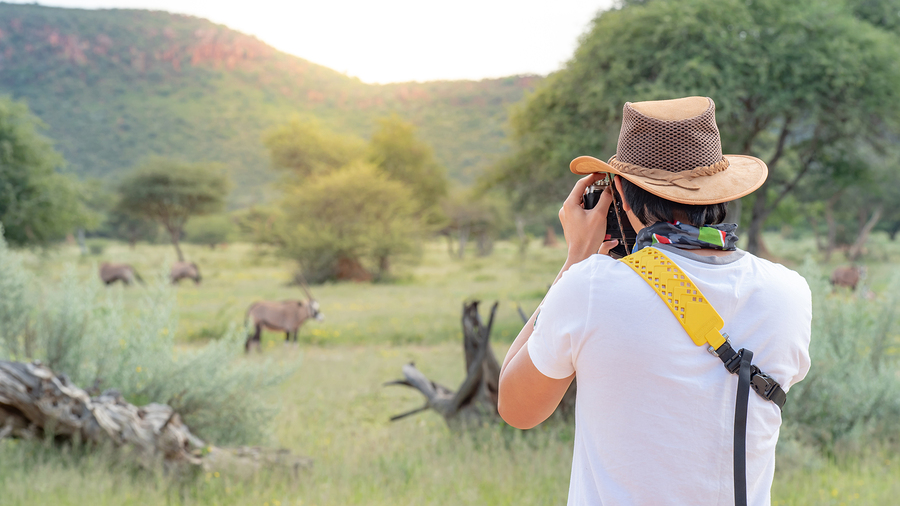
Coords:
617,224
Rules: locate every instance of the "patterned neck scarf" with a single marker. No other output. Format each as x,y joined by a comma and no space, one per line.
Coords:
684,236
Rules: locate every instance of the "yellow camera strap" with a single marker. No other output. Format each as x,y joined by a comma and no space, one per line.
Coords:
699,318
703,324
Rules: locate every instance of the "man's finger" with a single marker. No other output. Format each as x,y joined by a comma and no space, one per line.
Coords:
574,198
605,201
607,246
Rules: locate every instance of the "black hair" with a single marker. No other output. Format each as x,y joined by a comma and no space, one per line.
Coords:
649,208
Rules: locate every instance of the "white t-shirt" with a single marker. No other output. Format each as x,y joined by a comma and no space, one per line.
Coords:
654,413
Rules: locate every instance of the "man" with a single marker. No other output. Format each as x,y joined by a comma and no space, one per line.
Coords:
655,414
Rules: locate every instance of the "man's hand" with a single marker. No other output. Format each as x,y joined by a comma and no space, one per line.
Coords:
585,229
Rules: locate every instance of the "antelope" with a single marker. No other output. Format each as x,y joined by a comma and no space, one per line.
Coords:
848,276
110,273
286,316
182,270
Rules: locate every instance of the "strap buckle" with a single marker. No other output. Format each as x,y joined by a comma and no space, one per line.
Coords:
767,387
712,351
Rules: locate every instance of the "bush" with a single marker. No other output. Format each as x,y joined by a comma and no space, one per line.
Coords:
16,305
851,397
96,248
80,330
209,230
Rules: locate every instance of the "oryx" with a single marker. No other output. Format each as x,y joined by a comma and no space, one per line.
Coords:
286,316
848,276
182,270
110,273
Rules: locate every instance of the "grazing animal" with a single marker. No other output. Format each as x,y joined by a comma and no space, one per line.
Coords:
110,273
848,276
286,316
182,270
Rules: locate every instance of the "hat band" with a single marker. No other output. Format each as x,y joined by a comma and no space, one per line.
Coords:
659,177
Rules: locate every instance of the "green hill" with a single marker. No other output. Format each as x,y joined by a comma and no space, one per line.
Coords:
115,86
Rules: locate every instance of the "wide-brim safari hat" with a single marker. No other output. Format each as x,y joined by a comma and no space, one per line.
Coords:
672,149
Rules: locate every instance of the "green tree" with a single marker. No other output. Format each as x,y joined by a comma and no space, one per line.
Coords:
306,148
121,224
259,224
37,204
351,208
788,79
395,149
474,215
349,222
171,192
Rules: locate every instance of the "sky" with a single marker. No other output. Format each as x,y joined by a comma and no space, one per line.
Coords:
381,41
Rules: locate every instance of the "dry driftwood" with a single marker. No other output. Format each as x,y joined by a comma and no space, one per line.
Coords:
36,403
476,399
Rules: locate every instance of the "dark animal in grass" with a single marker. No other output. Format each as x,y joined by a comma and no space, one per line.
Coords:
848,276
185,270
110,273
286,316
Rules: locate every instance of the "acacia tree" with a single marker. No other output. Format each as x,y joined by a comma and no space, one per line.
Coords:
788,79
170,192
37,204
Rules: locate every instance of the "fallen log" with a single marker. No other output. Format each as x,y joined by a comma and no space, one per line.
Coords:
35,403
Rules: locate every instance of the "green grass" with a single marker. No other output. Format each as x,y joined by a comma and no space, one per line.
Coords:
870,480
335,408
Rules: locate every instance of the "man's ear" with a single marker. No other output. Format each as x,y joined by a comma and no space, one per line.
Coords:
617,180
636,223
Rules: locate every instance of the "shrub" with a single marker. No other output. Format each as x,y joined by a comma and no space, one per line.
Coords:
16,304
85,332
96,248
209,230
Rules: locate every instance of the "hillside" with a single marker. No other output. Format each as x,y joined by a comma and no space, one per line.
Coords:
115,86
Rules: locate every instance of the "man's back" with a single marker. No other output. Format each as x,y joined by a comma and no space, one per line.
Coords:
655,413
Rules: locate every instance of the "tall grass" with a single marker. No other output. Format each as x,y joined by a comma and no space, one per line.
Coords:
851,398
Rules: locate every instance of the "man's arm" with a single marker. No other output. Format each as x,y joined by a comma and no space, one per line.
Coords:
527,397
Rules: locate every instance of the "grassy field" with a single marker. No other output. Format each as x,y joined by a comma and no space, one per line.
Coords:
336,410
423,307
